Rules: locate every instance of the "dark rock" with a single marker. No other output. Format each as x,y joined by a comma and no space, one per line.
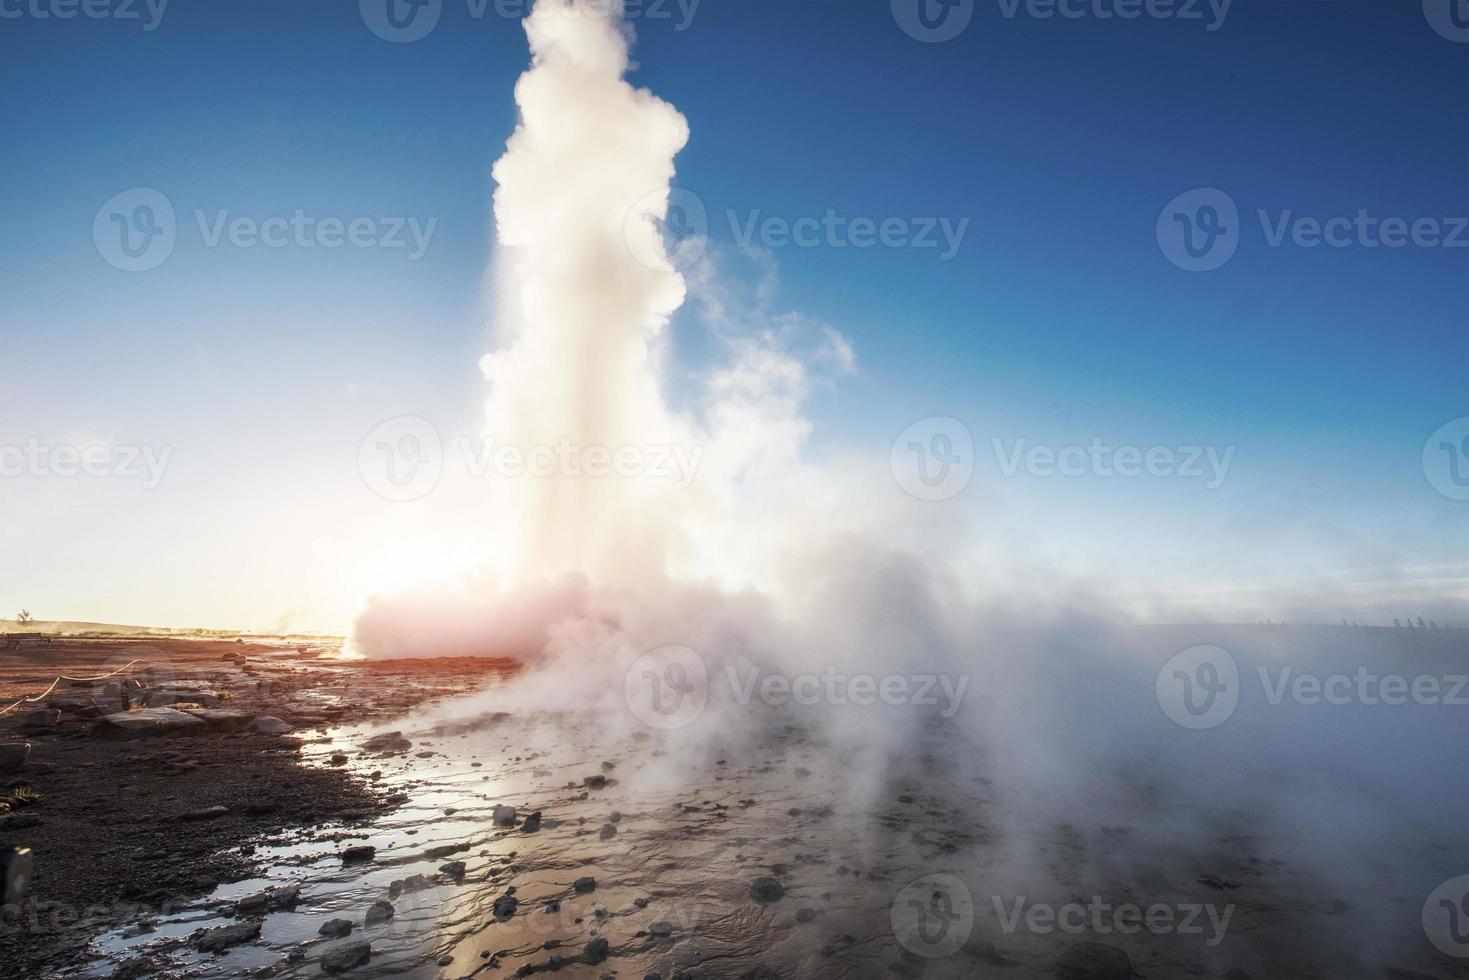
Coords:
504,816
532,823
379,911
595,952
340,959
218,940
766,890
454,869
595,782
358,852
413,883
208,813
506,905
584,885
335,928
608,832
661,929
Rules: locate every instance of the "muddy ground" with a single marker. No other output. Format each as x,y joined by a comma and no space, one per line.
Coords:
122,824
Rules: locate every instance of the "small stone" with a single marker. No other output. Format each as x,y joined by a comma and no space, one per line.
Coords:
208,813
454,869
340,959
358,852
379,911
532,823
268,725
339,758
766,890
504,816
335,928
595,782
583,885
608,832
661,929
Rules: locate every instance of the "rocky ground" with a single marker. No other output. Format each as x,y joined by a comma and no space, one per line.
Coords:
152,787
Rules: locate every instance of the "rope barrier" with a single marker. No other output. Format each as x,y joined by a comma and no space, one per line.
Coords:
73,680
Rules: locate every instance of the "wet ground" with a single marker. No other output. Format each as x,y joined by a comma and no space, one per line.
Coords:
784,853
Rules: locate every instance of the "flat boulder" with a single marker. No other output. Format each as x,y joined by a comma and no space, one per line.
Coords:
221,718
221,939
266,725
153,721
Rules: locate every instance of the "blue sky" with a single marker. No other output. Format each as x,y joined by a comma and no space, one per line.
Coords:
1059,319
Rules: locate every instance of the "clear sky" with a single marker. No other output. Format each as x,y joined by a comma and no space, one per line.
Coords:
1059,318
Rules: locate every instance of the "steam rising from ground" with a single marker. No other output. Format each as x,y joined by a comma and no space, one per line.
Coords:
770,561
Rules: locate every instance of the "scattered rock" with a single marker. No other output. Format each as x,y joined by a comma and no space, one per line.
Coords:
532,823
595,952
506,905
339,758
595,782
583,885
152,721
340,959
766,890
267,725
454,869
661,929
208,813
335,928
608,832
413,883
1094,961
379,911
358,852
388,742
504,816
218,940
